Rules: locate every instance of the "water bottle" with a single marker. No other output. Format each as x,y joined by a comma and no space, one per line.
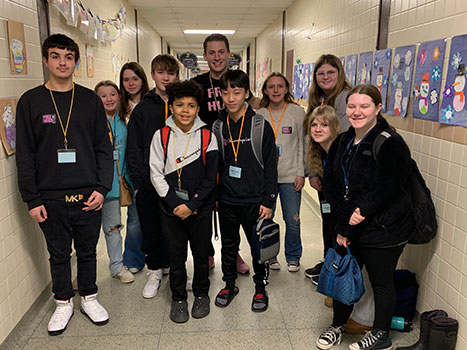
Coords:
401,324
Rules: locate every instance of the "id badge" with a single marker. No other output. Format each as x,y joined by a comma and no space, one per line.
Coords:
279,150
182,194
115,155
235,172
325,207
66,156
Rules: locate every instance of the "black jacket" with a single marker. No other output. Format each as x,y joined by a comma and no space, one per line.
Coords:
147,117
375,186
256,185
39,136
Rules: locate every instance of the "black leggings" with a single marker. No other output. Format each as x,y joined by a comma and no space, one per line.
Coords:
380,264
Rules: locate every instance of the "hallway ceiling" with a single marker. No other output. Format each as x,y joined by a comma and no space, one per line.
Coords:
170,17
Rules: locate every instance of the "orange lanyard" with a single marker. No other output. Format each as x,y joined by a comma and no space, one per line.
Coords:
235,151
322,101
166,109
280,120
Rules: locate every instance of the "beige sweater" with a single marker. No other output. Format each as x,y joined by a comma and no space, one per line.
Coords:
290,138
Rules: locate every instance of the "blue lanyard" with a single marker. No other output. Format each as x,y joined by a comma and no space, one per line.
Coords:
347,172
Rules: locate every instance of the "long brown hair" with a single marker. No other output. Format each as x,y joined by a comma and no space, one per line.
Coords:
124,95
316,93
313,149
288,98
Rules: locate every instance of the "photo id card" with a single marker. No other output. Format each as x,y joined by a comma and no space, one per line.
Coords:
325,207
235,172
279,150
66,156
182,194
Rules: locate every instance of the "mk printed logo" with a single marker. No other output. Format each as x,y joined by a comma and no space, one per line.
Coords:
74,198
49,119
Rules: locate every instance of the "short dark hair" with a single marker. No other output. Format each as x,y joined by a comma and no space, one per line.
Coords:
236,79
165,62
187,88
216,37
59,41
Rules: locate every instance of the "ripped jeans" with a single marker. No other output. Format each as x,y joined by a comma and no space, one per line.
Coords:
290,204
111,217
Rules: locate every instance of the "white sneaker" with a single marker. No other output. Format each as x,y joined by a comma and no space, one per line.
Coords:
153,283
61,317
331,336
274,264
125,275
94,310
134,270
165,271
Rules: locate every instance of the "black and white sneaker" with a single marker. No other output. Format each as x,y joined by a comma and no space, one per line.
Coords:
314,271
331,336
374,340
315,280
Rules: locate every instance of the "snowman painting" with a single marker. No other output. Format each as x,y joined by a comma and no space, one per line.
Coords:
379,79
424,90
398,99
363,74
459,85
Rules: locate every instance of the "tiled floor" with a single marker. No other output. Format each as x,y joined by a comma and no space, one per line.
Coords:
295,317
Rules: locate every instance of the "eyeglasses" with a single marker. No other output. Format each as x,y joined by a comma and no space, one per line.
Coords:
328,73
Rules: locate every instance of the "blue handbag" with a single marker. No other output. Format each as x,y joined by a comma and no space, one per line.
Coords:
341,278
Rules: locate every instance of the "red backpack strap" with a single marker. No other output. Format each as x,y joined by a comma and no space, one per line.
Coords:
205,141
165,140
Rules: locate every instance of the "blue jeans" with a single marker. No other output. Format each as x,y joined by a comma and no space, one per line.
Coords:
133,255
290,204
111,219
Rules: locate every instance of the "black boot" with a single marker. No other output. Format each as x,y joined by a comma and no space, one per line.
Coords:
425,321
443,333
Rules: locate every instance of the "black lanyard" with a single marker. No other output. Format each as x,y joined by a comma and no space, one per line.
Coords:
346,170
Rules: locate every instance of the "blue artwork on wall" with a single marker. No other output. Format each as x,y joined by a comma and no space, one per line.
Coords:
307,76
427,83
350,68
295,82
453,109
365,61
380,73
401,80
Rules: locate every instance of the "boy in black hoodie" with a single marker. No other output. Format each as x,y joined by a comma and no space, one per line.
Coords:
183,163
65,169
247,186
148,117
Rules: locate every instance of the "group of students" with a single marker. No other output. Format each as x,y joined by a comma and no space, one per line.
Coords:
161,142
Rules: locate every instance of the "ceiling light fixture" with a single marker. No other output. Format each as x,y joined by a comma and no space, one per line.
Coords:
208,31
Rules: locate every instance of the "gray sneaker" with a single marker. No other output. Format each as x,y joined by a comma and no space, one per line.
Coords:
179,311
200,307
293,266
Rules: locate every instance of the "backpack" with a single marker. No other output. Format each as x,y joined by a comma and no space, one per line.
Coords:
257,131
265,240
423,209
205,140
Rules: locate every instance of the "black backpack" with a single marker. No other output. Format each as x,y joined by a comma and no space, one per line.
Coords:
423,209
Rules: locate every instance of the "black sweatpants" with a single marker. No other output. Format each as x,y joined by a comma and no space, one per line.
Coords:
155,252
380,264
231,216
67,223
196,229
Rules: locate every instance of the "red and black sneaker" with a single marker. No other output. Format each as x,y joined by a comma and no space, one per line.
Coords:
260,302
225,296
